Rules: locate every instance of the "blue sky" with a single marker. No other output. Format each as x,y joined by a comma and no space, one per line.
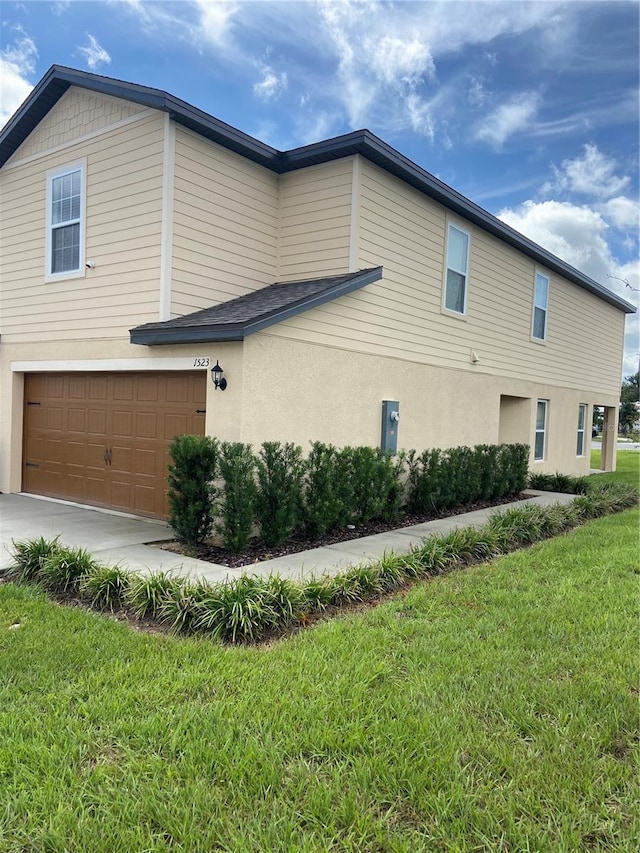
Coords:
529,109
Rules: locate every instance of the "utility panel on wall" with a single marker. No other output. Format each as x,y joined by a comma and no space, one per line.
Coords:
390,418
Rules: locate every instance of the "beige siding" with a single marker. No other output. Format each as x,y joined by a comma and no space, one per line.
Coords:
401,317
225,225
315,216
77,113
123,220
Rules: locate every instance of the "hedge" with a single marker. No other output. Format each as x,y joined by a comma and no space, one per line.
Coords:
278,493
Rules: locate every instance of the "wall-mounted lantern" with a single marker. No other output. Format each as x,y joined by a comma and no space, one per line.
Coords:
218,379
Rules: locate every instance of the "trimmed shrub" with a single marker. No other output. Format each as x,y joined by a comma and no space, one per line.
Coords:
236,611
317,594
105,587
557,482
376,489
323,490
179,605
423,482
513,459
63,570
190,487
146,595
278,502
237,464
29,557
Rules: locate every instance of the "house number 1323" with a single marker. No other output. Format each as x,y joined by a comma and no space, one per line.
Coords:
201,362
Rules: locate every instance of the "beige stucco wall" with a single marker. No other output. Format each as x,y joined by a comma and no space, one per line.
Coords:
296,391
123,165
224,225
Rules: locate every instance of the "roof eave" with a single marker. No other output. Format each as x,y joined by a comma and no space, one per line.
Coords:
156,334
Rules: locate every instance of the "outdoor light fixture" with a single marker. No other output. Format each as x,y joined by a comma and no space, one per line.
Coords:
218,379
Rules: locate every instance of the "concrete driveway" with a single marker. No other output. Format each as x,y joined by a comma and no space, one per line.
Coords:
110,537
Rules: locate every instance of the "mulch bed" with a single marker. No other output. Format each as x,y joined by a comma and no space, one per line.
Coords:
212,551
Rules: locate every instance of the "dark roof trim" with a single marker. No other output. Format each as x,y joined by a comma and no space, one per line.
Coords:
156,334
58,79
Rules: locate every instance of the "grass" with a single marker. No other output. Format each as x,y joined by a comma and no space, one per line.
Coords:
493,709
627,467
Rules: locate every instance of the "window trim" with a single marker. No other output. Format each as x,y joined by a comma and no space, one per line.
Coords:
544,431
582,407
535,306
60,171
450,311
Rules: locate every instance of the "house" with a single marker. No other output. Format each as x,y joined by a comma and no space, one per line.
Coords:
144,242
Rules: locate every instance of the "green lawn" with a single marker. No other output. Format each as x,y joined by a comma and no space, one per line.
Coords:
495,709
627,467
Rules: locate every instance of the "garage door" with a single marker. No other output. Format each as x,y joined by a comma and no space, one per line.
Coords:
102,438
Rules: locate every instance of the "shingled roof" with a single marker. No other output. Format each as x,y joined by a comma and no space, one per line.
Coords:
234,320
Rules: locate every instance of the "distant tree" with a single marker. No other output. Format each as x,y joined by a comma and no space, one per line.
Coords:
630,391
629,396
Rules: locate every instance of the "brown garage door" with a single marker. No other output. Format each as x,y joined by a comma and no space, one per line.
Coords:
102,438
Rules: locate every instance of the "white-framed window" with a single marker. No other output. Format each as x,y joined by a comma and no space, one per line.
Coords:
457,270
540,301
540,445
582,420
65,221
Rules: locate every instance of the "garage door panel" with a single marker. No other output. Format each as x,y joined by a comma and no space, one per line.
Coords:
97,422
54,387
123,423
124,388
77,387
146,425
147,500
175,424
103,438
97,387
146,462
77,420
54,419
148,389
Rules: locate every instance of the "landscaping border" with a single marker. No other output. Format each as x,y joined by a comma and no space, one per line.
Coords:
251,608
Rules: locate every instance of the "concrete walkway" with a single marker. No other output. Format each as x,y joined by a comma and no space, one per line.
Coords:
117,538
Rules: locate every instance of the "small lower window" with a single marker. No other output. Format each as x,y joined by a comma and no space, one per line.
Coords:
582,420
540,446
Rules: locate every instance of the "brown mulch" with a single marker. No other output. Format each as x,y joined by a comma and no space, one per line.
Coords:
212,551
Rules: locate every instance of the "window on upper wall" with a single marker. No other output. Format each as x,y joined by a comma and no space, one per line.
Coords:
582,420
455,286
65,221
540,445
540,299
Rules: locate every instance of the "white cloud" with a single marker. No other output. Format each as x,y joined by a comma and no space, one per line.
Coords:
592,173
514,116
271,84
400,61
420,116
216,20
17,62
387,55
94,54
578,235
477,94
623,212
